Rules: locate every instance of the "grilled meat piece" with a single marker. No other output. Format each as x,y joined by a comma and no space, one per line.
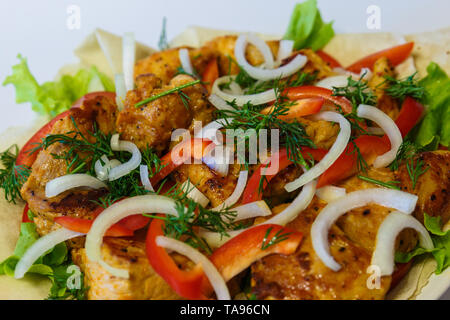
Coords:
378,84
303,276
144,283
165,64
215,187
432,187
151,125
77,203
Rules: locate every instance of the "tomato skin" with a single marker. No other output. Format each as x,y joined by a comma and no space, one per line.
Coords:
84,225
252,190
332,62
210,74
187,284
25,217
301,92
300,108
25,158
396,55
172,160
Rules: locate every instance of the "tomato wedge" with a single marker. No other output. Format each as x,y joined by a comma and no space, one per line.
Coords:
252,190
84,225
332,62
187,284
251,245
301,92
25,157
301,108
196,148
210,75
396,55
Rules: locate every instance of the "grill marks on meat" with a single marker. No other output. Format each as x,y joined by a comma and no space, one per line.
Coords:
144,282
77,203
151,125
303,276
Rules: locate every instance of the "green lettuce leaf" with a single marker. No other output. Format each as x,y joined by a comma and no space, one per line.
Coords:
306,27
53,264
436,123
54,97
441,241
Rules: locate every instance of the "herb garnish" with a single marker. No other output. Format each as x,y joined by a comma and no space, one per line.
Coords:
357,91
163,44
277,238
12,176
389,184
178,89
409,86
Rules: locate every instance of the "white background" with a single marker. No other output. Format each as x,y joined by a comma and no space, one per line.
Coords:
37,29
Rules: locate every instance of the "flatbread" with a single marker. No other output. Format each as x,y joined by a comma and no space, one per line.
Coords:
103,50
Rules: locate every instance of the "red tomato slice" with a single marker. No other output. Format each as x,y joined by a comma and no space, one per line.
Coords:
25,217
300,108
84,225
187,284
210,75
332,62
296,93
396,55
26,158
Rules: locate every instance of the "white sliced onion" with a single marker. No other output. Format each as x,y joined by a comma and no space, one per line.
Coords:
210,270
252,210
116,212
333,82
121,90
335,151
240,100
330,193
265,74
219,103
383,255
129,57
40,247
219,159
234,197
143,172
115,141
235,88
193,193
101,171
364,74
389,127
130,165
185,60
70,181
402,201
285,50
300,203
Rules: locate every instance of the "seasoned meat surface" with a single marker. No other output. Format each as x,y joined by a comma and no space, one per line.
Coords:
151,125
165,64
78,203
215,187
378,84
143,284
303,276
432,187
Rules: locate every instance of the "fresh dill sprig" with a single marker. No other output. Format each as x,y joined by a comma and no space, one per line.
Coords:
406,151
389,184
12,176
191,215
357,91
277,238
361,163
163,44
399,89
170,91
292,134
415,170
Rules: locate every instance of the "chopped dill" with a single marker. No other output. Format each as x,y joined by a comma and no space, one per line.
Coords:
163,44
357,91
12,176
389,184
277,238
399,89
